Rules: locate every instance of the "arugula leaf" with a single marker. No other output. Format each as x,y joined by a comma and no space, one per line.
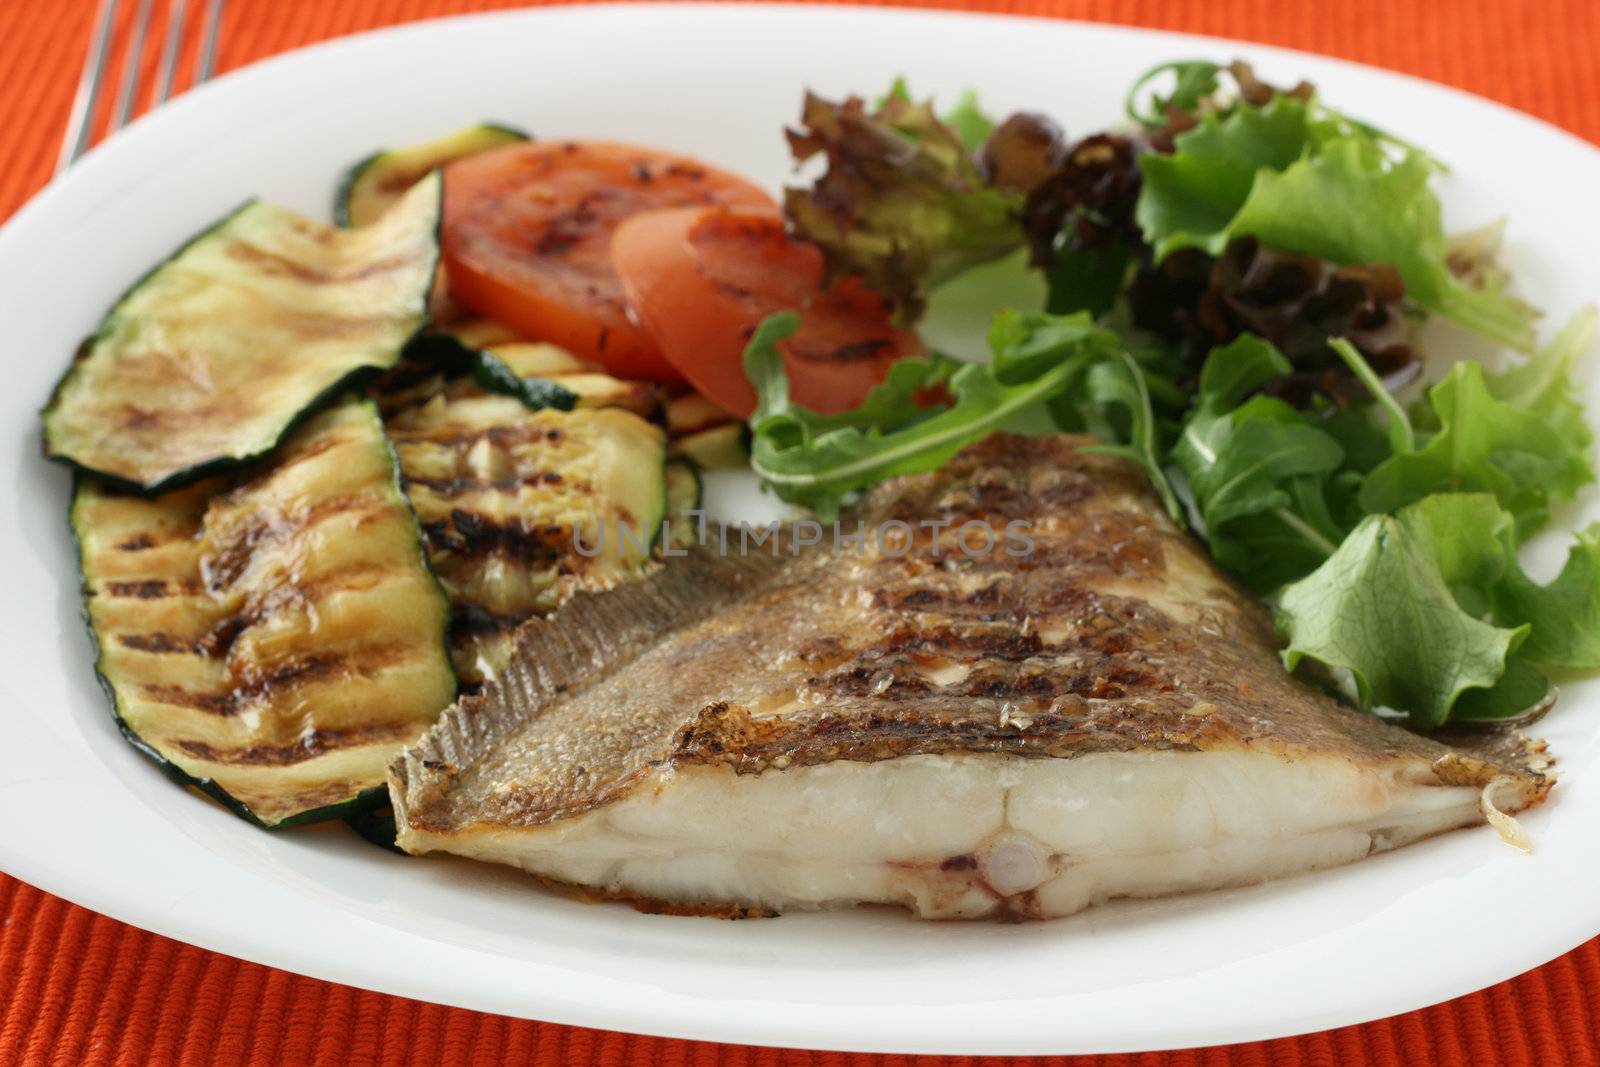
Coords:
1119,383
902,204
1402,438
1382,609
1084,278
1483,445
818,460
1349,201
1025,344
1193,81
1255,470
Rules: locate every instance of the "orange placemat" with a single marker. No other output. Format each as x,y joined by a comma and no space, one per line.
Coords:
79,988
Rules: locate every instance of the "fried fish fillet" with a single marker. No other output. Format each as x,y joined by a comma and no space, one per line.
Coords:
966,734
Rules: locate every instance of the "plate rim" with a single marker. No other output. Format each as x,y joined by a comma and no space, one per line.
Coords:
59,880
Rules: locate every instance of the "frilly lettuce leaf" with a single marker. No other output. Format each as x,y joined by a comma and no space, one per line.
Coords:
1191,197
1565,614
1306,180
1483,445
902,204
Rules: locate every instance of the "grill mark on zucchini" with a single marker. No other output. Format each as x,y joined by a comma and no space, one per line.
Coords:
231,559
157,643
275,264
502,491
216,354
314,743
150,588
249,620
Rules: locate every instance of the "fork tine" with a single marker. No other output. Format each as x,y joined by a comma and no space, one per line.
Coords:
129,88
94,68
208,42
169,51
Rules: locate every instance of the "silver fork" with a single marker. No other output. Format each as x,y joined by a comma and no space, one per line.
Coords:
81,121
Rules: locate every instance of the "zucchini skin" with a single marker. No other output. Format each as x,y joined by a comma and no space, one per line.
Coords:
356,803
350,180
247,454
361,802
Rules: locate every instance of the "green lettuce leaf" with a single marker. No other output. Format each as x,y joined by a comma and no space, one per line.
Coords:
902,204
969,121
1191,197
1382,608
1304,179
1564,615
1484,444
1349,201
1542,386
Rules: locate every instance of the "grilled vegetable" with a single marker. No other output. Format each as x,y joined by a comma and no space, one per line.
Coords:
521,508
272,637
719,448
692,412
702,433
684,494
544,375
373,185
211,358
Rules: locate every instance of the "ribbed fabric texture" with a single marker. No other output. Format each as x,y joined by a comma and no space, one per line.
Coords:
80,989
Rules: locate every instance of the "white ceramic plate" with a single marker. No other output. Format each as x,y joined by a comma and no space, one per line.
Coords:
88,818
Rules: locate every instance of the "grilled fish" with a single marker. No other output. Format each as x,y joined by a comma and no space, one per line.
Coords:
964,733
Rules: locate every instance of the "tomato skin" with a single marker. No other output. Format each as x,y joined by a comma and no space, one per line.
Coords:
700,280
526,238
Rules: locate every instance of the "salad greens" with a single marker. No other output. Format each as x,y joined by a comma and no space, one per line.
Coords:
902,203
815,459
1278,238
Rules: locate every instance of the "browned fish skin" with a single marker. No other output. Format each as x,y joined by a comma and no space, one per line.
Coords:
1115,635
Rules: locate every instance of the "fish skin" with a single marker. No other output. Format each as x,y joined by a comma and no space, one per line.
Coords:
1115,637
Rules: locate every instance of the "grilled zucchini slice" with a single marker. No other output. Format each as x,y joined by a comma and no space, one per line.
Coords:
719,448
272,637
210,359
704,434
691,413
521,508
685,493
546,370
374,184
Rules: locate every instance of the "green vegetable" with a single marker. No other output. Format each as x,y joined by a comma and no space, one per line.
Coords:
374,184
215,354
1351,203
1483,444
1255,469
1565,615
1191,197
1119,384
817,460
1306,180
969,122
1193,81
1382,609
902,204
